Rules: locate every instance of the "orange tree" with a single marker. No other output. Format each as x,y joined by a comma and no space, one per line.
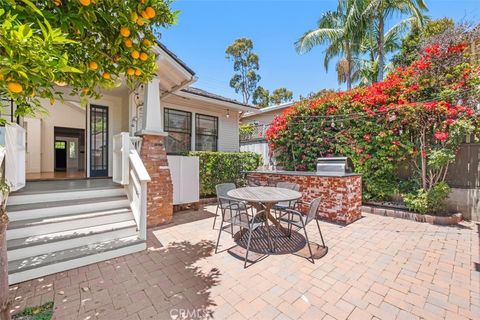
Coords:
85,44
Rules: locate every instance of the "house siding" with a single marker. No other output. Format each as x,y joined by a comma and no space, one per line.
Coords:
228,131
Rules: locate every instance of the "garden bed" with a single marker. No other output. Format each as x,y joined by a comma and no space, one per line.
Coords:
397,212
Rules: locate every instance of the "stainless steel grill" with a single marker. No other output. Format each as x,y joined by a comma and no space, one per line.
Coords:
334,165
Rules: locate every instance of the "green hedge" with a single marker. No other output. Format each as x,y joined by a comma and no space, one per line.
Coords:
220,167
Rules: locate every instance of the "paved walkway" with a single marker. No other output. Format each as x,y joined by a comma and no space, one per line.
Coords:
377,267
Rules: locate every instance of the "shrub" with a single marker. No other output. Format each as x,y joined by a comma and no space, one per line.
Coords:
431,201
220,167
418,115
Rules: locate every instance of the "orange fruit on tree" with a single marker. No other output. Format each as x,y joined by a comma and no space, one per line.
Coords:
144,14
128,43
135,54
14,87
124,32
93,65
142,1
150,12
143,56
138,72
58,3
85,2
140,22
130,71
146,43
106,75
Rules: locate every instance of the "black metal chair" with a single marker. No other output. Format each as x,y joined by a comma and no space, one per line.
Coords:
297,219
240,217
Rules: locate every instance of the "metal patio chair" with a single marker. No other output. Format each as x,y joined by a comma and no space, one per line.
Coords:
223,200
280,207
297,219
240,217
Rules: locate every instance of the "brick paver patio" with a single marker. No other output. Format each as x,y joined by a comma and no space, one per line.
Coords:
377,267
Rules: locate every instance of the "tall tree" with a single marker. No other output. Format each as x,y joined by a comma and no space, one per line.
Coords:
337,29
281,95
245,65
376,12
261,97
412,42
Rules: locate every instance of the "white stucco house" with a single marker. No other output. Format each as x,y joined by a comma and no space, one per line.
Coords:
60,217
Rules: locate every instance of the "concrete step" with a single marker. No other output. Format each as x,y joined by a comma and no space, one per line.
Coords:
63,195
41,226
41,244
56,208
40,265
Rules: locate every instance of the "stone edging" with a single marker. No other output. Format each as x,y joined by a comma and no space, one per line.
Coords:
401,214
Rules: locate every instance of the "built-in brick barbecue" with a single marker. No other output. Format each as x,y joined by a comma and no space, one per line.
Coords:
334,182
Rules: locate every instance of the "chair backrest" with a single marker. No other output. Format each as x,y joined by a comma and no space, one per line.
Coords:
288,185
223,188
312,210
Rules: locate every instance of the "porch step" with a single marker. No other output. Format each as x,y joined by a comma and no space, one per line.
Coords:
25,228
55,208
22,248
60,225
20,198
39,265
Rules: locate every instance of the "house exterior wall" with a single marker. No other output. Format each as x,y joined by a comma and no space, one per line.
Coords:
228,128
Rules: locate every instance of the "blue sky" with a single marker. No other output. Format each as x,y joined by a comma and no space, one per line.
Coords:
206,28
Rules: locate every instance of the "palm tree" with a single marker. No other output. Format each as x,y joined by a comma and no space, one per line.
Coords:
336,29
366,65
378,11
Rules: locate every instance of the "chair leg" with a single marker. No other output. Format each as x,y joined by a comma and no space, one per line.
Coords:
215,219
248,247
219,233
320,231
270,243
308,243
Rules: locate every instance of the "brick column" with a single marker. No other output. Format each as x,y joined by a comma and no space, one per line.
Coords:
160,189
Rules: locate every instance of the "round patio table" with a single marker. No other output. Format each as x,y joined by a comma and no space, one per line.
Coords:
263,199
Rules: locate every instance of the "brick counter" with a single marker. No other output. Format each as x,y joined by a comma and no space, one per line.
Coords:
341,195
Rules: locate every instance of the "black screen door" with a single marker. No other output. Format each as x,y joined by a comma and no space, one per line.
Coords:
98,141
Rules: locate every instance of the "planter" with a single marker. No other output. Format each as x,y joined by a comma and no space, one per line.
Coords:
403,214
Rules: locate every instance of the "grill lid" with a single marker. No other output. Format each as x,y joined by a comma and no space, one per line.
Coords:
334,165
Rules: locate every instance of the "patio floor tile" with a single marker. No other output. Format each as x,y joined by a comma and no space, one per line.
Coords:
376,268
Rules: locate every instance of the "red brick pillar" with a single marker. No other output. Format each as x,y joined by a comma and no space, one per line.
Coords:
160,189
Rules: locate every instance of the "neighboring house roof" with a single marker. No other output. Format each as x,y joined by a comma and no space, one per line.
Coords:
174,57
206,94
268,109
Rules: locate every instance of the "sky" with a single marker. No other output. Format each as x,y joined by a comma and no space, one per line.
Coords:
206,27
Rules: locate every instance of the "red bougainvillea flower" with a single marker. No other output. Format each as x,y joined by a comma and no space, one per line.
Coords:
434,49
441,135
457,48
424,153
367,137
396,142
450,121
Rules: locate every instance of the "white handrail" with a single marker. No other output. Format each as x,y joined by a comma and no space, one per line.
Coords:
129,170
